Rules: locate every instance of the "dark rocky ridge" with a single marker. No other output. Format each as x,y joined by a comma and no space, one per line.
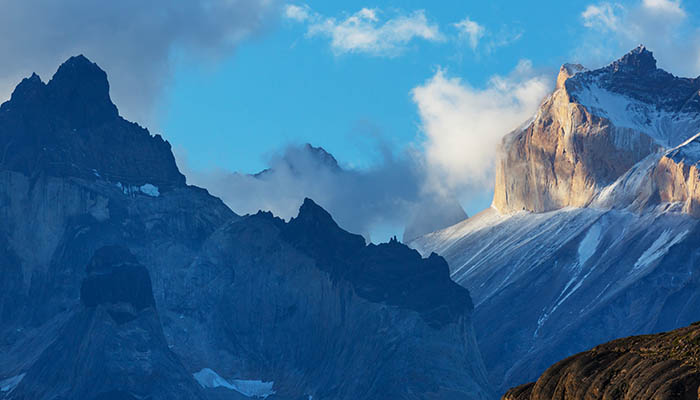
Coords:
70,127
662,367
635,75
391,273
251,298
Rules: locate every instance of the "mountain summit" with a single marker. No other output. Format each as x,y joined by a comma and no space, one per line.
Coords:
593,233
593,129
70,127
119,281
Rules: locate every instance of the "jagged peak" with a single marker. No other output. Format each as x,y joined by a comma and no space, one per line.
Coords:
322,155
310,211
639,60
567,71
80,87
28,89
70,127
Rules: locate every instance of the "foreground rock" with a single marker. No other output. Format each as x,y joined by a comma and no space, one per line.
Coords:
662,366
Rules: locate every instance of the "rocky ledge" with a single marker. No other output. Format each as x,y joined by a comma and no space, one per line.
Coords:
660,367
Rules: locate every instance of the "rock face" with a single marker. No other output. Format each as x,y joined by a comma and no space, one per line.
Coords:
593,233
55,129
113,347
662,366
676,176
594,128
127,283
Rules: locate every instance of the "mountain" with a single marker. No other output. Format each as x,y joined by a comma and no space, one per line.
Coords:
120,281
662,366
593,232
113,347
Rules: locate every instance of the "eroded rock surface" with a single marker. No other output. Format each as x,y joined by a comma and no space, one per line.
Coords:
253,304
663,366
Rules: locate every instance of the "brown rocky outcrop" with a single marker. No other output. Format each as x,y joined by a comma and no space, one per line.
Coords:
676,177
593,129
564,157
661,366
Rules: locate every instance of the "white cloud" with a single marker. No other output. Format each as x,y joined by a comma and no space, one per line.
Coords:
661,25
389,194
366,32
133,40
470,30
463,125
668,7
297,13
601,15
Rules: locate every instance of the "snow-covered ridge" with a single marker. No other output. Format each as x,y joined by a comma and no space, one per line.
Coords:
668,129
687,153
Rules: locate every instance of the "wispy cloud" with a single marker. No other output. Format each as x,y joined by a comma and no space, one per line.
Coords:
601,16
662,25
366,31
464,125
132,39
390,193
471,31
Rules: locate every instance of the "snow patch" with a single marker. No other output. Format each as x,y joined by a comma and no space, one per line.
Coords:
207,378
668,129
10,384
150,190
658,249
589,244
147,189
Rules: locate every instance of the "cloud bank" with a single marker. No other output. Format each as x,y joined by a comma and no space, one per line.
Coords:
366,31
461,126
132,39
389,194
464,125
662,26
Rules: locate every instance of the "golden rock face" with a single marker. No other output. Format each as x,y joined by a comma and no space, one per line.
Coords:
564,157
678,182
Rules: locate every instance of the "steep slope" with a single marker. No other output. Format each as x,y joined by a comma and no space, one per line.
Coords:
592,234
662,366
247,306
591,130
113,347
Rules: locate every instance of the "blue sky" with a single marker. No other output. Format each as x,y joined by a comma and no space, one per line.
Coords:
411,97
284,87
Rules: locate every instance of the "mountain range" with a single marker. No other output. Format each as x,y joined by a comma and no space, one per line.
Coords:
593,232
120,281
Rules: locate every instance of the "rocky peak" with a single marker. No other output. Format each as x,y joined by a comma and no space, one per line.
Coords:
567,71
80,90
28,90
390,273
70,127
639,60
594,128
320,154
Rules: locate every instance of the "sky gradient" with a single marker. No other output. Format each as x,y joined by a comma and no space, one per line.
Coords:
410,91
